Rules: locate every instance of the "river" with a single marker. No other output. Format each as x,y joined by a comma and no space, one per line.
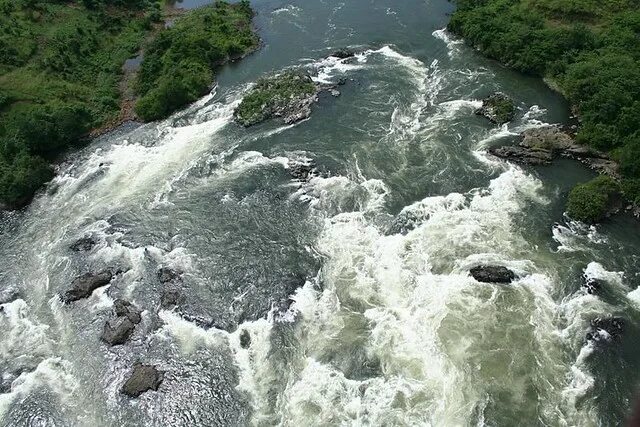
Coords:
384,325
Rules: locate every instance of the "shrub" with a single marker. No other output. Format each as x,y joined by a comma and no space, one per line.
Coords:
590,202
21,177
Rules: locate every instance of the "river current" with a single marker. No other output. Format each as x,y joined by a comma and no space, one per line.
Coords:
353,286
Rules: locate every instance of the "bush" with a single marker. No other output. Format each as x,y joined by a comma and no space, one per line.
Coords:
590,202
178,64
21,178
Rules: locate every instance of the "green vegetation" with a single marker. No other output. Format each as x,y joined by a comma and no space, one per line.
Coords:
274,96
588,49
590,202
61,67
498,108
179,63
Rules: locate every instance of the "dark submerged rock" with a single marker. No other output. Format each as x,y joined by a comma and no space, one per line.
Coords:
245,339
492,274
143,378
166,275
171,296
498,108
84,244
343,53
605,329
302,171
593,286
84,285
117,330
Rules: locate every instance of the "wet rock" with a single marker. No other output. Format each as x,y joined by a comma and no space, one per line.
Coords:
245,339
302,171
605,329
84,285
143,378
203,322
593,286
343,53
166,275
492,274
9,294
84,244
123,308
334,92
118,329
524,155
498,108
171,296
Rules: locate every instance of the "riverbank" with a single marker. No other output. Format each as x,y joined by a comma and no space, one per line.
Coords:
63,80
591,54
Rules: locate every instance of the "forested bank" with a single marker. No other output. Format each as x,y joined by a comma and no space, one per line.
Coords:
587,49
61,69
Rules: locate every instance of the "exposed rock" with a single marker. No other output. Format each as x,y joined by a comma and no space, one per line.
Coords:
540,146
171,296
84,285
302,171
203,322
143,378
118,329
492,274
124,308
593,286
498,108
84,244
334,92
605,329
9,294
343,53
245,339
166,275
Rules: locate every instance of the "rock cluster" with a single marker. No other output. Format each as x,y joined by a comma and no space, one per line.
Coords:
118,329
540,146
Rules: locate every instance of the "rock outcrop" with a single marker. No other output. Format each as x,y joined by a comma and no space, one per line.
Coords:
171,292
85,244
498,108
303,170
492,274
245,339
540,146
84,285
118,329
143,378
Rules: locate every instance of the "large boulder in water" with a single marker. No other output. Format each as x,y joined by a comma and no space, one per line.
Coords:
143,378
169,275
84,285
492,274
85,244
498,108
117,330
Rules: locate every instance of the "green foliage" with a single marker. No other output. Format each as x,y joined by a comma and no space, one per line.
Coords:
273,93
590,49
178,64
60,65
591,201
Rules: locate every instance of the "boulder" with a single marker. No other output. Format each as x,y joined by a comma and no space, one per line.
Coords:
118,329
302,171
166,275
593,286
523,155
343,53
498,108
605,329
245,339
143,378
171,296
84,285
123,308
84,244
492,274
